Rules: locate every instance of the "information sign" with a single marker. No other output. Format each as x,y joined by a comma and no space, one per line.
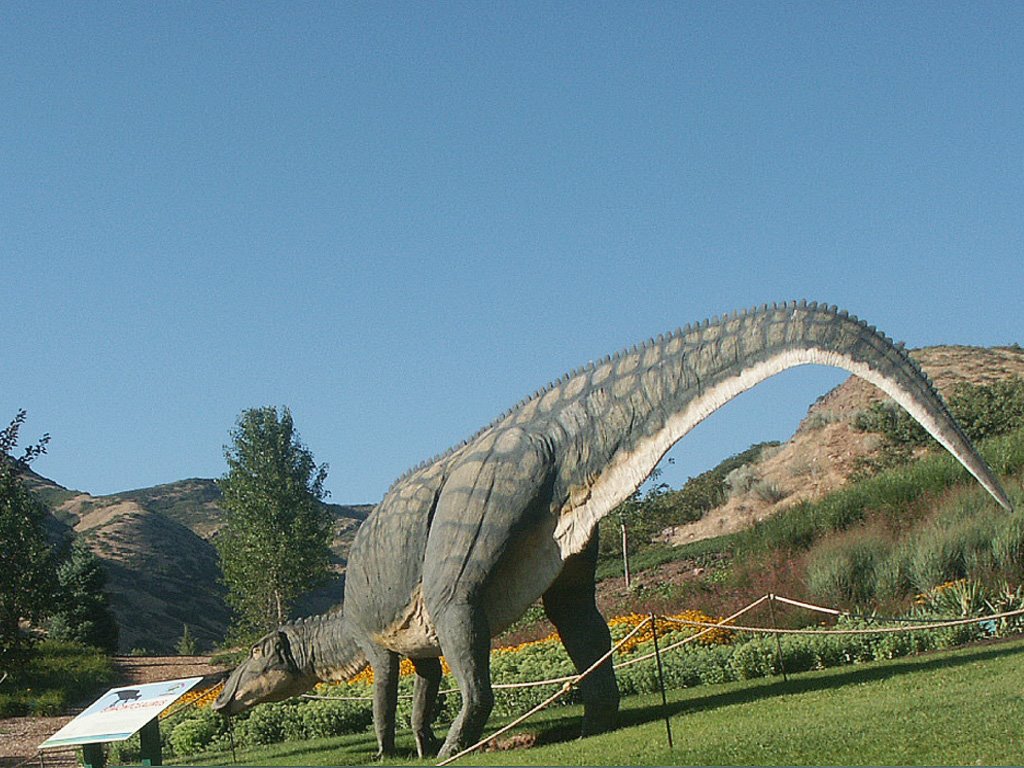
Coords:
120,712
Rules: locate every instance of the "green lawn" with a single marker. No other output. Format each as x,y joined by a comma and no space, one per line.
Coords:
963,707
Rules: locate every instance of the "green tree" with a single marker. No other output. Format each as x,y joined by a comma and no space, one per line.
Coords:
276,543
81,612
186,643
26,561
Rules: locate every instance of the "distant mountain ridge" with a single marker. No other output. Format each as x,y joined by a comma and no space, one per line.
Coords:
162,568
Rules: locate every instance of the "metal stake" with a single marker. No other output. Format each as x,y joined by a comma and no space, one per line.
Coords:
661,680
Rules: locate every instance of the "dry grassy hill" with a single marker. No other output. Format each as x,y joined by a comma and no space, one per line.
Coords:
155,544
824,452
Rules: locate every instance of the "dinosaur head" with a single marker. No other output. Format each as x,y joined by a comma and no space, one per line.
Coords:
271,673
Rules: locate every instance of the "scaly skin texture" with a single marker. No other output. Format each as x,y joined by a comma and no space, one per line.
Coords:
462,545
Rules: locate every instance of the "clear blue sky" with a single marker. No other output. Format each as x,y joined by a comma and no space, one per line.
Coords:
400,218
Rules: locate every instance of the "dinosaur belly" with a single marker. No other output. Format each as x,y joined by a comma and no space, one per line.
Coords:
413,634
523,574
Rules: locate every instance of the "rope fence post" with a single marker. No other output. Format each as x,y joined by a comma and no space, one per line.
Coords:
778,637
661,680
231,740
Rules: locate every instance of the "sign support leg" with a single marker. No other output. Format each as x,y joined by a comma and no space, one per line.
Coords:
93,756
149,737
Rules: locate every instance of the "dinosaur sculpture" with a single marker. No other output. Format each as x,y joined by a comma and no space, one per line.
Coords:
462,545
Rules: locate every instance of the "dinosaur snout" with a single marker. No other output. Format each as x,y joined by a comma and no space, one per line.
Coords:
225,702
241,691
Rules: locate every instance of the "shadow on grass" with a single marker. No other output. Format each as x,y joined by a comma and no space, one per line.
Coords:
563,729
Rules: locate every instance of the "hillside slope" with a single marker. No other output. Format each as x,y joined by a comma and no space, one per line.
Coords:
155,544
826,448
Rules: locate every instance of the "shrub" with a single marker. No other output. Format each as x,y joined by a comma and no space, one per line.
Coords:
846,571
892,575
756,658
196,733
983,410
949,550
271,723
57,675
321,718
1008,546
768,491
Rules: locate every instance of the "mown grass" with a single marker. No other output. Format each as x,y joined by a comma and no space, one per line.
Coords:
953,708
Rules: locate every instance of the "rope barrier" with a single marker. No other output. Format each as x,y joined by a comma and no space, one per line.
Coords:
706,627
866,617
551,699
860,631
723,624
567,683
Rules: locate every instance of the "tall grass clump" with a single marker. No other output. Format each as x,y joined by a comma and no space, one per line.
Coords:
900,495
846,571
965,537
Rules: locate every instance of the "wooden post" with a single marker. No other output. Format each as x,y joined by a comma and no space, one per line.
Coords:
778,641
150,750
625,555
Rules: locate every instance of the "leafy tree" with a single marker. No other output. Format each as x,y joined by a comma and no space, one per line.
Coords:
275,545
82,611
25,555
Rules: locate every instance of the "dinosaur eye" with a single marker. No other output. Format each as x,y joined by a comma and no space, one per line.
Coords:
256,652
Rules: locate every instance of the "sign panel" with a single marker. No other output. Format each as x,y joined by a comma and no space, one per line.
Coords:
120,712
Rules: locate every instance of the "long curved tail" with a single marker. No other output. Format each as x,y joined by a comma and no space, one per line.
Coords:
647,399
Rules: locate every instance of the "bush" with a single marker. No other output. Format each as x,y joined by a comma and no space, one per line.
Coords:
1008,546
322,718
845,571
949,550
271,723
197,733
56,676
757,658
982,410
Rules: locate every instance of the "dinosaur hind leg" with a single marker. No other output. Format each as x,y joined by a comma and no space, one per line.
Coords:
424,705
464,635
571,606
385,696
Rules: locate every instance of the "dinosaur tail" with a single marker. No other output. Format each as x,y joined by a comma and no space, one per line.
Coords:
666,387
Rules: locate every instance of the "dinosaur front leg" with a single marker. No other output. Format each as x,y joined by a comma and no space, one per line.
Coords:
464,635
424,705
385,697
571,606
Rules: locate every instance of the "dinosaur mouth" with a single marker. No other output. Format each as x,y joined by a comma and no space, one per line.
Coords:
226,704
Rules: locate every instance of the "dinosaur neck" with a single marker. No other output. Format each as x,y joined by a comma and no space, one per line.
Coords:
612,422
323,648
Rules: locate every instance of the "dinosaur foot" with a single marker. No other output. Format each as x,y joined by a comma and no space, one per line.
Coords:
382,754
599,721
427,745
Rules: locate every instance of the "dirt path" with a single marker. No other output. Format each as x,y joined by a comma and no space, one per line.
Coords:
20,736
